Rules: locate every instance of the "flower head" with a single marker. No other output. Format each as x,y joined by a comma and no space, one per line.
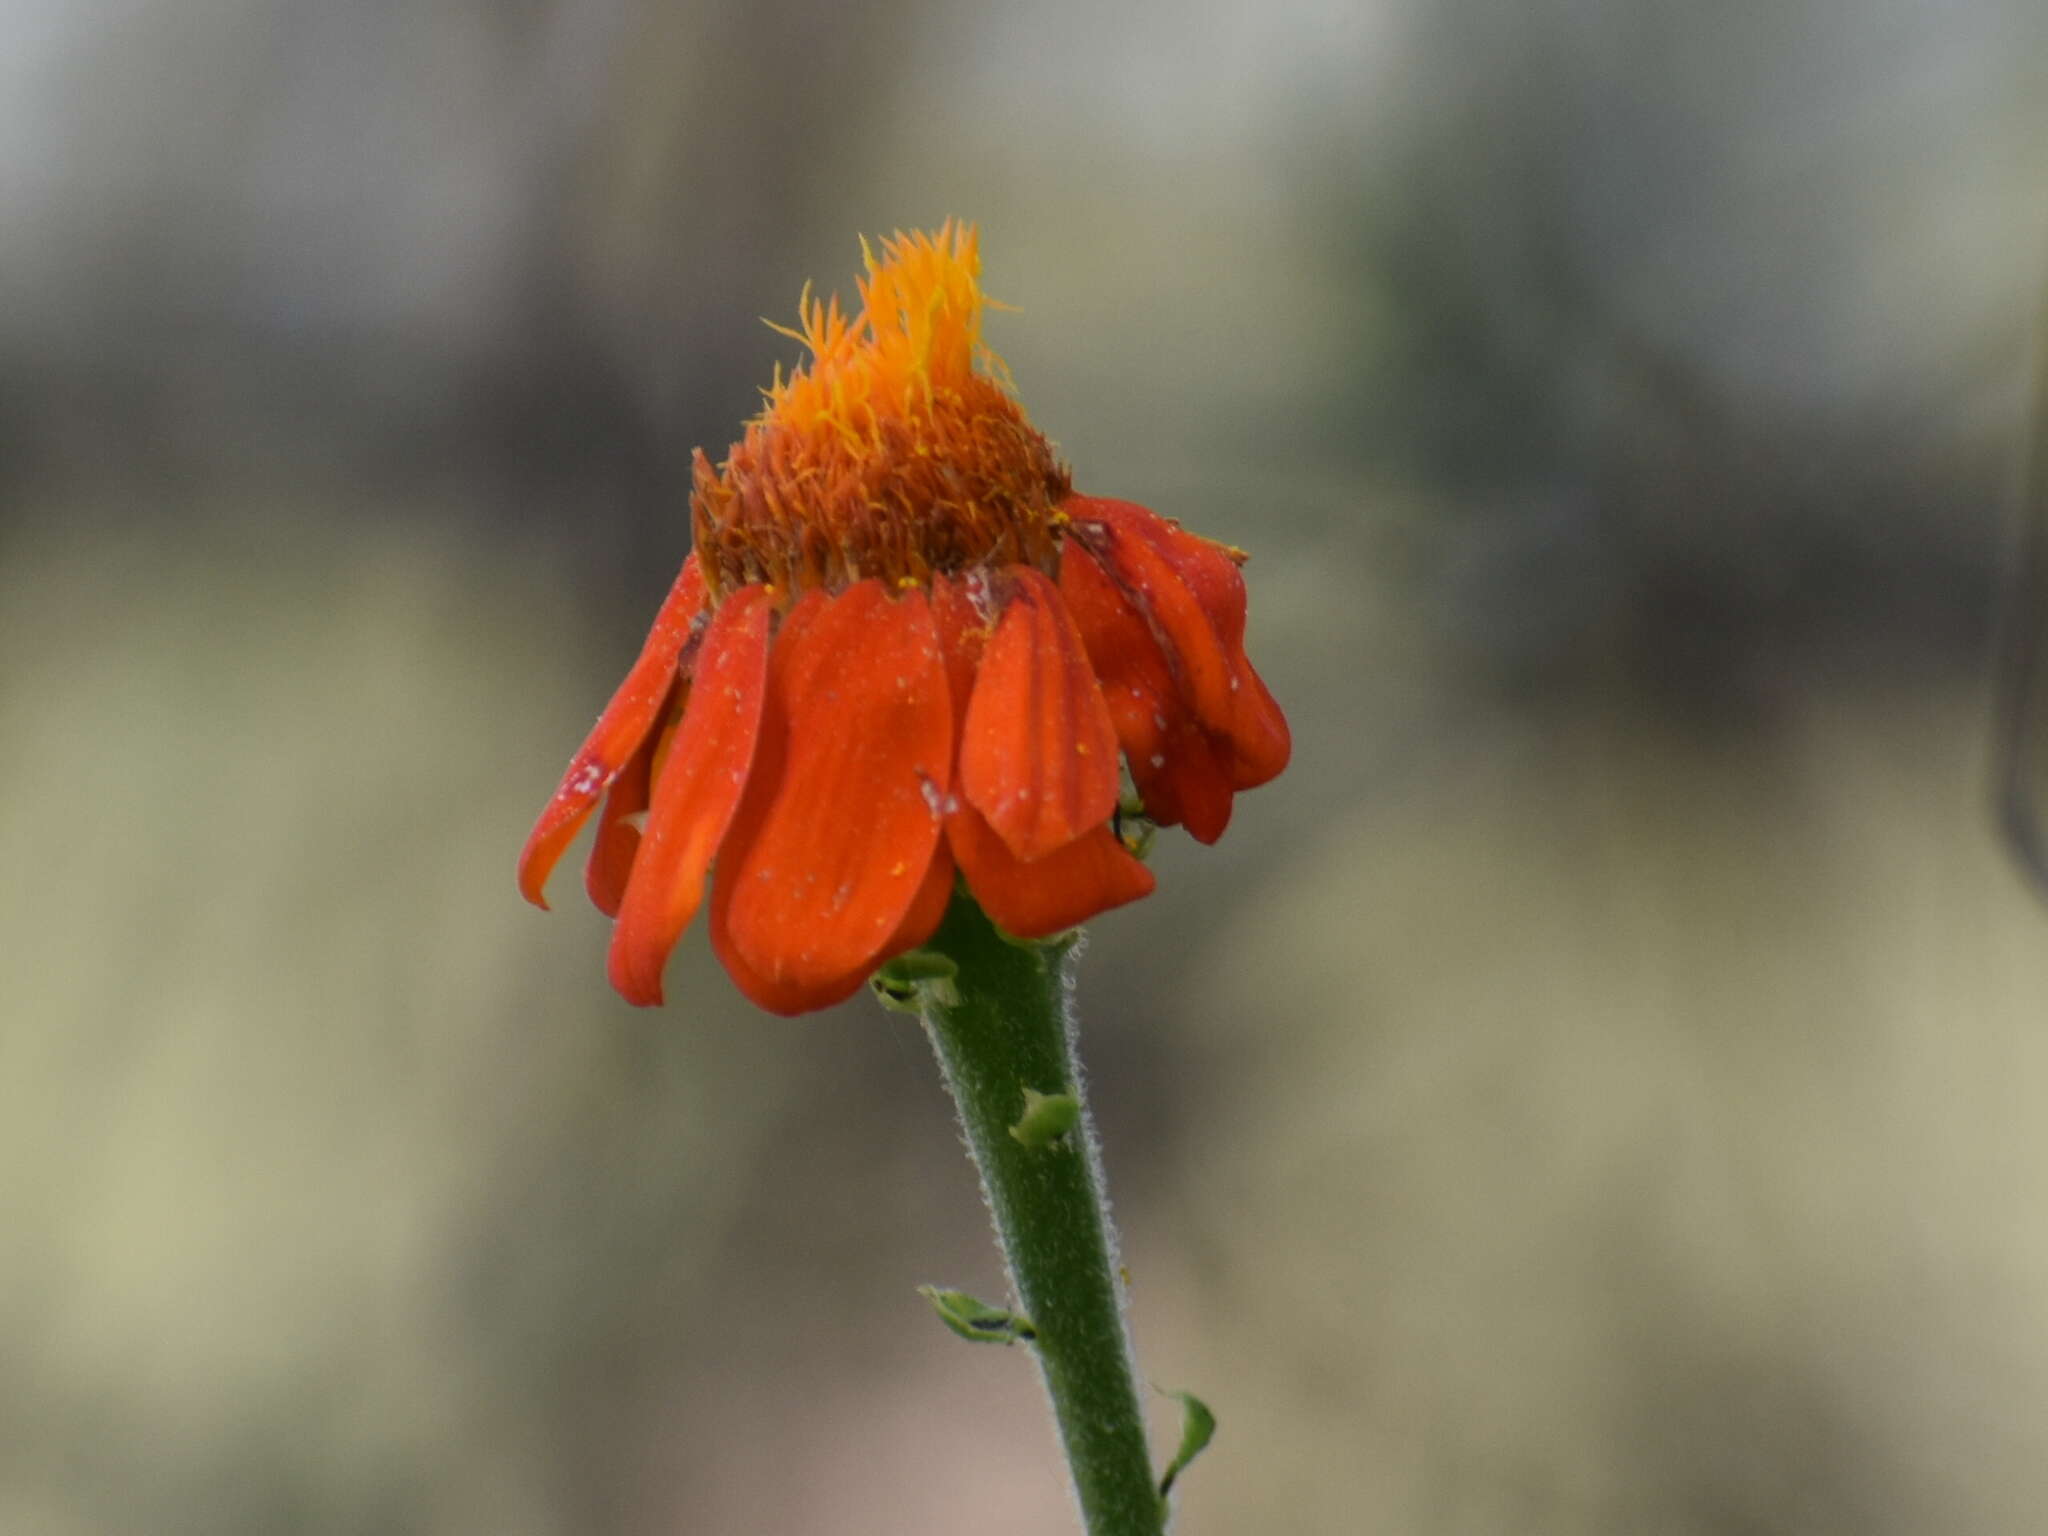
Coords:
902,651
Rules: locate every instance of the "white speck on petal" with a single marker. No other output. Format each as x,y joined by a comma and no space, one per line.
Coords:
1158,760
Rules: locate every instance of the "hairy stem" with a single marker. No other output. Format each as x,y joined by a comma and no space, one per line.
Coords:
1002,1028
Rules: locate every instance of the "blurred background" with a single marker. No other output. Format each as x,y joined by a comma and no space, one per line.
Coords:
1599,1089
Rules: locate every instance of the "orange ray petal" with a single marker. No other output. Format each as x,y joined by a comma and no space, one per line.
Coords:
1188,781
617,838
927,908
1183,773
1206,567
784,997
1182,625
1038,748
1050,895
963,608
1259,738
1260,741
817,887
617,735
1136,681
701,782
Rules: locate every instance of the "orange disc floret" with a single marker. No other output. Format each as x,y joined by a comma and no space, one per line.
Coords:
893,452
904,654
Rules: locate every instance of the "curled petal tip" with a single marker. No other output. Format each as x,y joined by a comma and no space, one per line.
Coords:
641,990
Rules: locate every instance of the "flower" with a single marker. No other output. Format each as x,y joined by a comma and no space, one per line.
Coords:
904,650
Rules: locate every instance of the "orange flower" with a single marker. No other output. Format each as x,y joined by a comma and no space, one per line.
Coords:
902,650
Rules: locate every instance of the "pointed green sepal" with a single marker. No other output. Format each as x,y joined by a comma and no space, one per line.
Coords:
910,981
973,1318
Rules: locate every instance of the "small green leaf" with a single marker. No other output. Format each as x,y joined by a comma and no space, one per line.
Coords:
1197,1429
923,965
973,1318
1047,1117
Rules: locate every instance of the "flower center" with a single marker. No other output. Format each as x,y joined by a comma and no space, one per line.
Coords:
895,453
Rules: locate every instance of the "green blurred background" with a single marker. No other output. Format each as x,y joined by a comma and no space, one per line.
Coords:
1598,1089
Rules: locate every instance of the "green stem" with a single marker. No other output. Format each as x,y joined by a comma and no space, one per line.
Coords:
1001,1028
